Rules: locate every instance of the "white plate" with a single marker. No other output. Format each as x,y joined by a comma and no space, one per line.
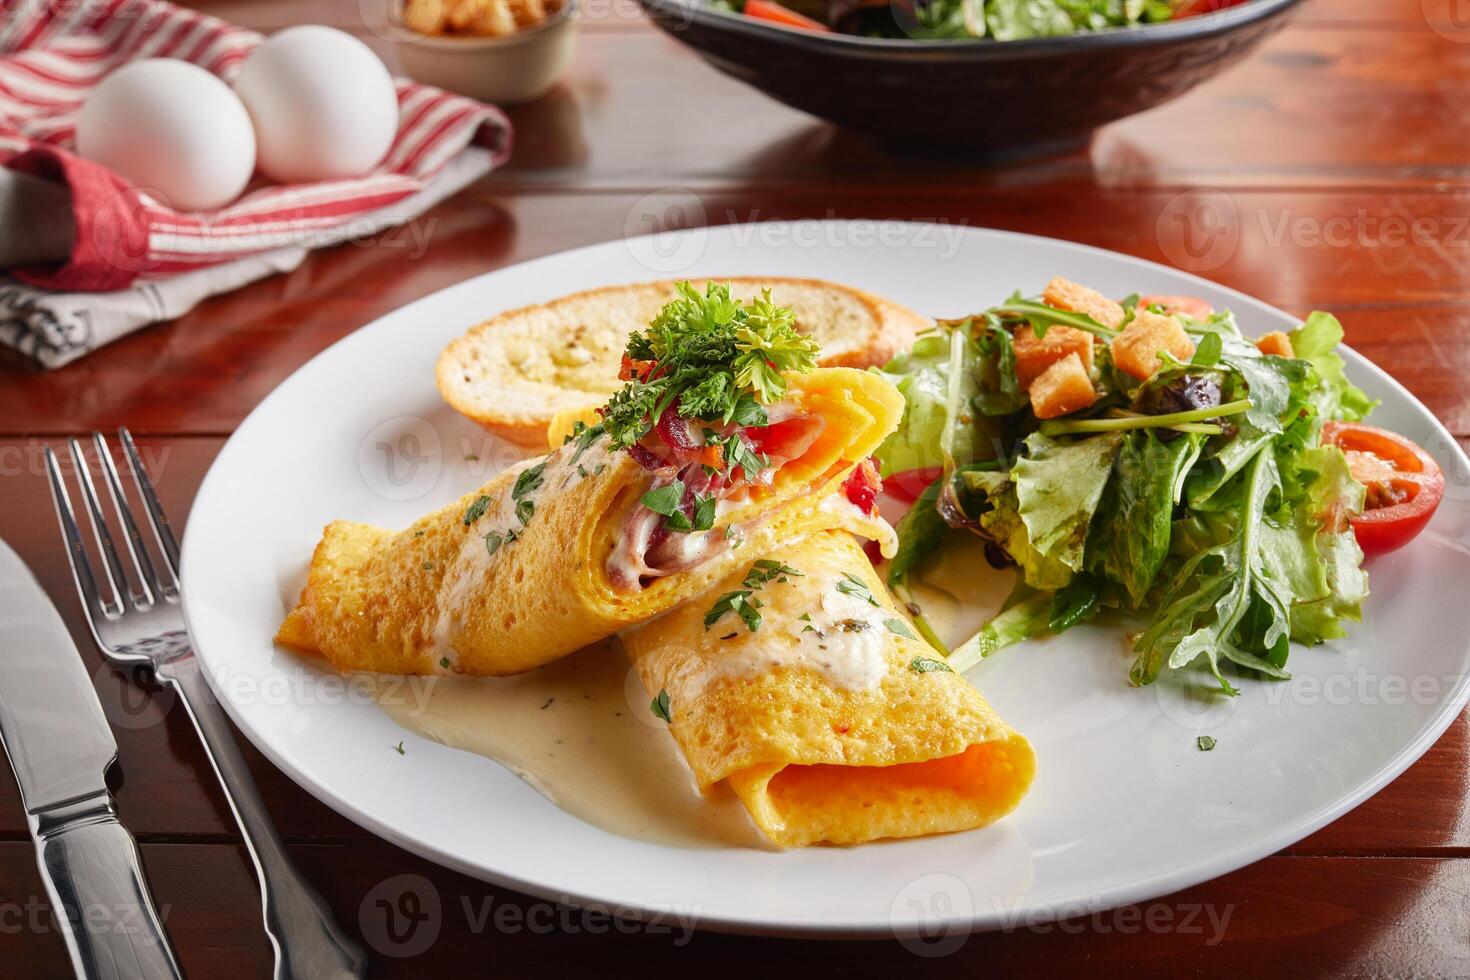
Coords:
1125,807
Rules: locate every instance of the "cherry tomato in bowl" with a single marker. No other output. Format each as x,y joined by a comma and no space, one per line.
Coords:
1404,484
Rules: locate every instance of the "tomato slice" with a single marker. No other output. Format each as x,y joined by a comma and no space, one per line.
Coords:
1404,484
776,14
907,486
1191,306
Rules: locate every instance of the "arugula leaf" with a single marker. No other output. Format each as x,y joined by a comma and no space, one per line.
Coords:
1077,603
1041,317
1224,601
920,531
1129,538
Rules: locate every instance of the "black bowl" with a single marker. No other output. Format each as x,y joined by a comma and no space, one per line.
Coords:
997,99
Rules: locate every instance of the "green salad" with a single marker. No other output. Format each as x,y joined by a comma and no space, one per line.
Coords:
1139,460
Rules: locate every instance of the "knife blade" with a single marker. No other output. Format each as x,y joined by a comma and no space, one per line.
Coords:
50,720
58,743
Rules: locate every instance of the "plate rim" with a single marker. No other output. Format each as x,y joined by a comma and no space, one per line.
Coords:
979,920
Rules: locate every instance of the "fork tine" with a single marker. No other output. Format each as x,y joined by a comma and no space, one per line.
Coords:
157,519
76,552
122,586
137,550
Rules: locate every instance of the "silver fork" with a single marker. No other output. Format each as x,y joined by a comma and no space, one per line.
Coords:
142,623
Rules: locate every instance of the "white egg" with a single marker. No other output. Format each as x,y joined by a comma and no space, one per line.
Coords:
172,129
323,104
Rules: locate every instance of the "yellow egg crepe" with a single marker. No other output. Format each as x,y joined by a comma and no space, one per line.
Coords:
829,720
560,552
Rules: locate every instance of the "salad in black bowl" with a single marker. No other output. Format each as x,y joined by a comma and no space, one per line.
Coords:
998,79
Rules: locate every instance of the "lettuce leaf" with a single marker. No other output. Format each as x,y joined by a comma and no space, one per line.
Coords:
1315,341
1040,511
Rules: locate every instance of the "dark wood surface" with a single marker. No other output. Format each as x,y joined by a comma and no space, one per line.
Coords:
1350,120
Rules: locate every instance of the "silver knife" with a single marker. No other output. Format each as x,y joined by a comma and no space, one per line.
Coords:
60,747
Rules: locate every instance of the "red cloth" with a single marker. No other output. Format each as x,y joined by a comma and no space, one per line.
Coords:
52,54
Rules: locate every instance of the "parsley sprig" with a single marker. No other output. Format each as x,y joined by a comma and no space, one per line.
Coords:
719,359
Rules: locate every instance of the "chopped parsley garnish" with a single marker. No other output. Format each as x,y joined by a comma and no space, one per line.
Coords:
529,481
666,499
476,510
718,358
704,512
1205,743
854,586
493,541
738,602
900,627
738,455
428,566
923,665
398,748
418,534
524,509
767,570
584,436
660,707
444,662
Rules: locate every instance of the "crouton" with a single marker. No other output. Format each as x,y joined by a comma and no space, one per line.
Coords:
1035,354
1136,349
1276,343
1064,387
1062,294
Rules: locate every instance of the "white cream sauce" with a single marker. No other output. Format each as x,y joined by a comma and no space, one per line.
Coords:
846,644
580,731
957,590
565,467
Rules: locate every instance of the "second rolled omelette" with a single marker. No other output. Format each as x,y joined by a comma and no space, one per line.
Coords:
520,572
829,720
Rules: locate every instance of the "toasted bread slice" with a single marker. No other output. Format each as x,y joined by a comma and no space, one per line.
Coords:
517,370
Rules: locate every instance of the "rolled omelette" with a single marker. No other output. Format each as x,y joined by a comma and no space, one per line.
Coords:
545,558
830,721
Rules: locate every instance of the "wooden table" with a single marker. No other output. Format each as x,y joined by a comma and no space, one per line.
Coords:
1340,153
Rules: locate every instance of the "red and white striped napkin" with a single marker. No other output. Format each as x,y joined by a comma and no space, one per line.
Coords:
53,51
